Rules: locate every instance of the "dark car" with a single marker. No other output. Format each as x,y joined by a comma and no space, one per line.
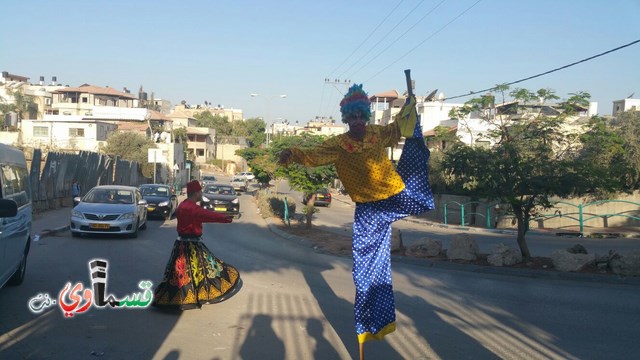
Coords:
162,202
323,198
221,198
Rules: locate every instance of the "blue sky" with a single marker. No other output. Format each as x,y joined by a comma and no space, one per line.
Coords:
223,51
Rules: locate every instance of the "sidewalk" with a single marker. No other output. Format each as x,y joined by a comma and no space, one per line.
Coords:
573,231
51,222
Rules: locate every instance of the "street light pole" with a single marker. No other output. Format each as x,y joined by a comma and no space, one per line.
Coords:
268,104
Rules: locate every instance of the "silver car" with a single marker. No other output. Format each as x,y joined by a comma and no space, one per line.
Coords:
110,209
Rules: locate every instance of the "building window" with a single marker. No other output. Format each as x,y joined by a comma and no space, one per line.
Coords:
40,131
76,132
47,101
200,152
85,100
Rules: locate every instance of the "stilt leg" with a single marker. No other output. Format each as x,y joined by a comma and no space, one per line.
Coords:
361,351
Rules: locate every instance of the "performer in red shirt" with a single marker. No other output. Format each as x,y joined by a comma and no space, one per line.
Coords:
194,276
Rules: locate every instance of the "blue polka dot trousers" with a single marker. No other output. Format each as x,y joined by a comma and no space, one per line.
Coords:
374,303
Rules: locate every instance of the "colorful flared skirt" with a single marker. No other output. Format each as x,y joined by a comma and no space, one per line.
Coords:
194,276
374,303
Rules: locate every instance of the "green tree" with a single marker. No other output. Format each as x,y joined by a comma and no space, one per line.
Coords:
262,163
220,123
605,153
627,126
531,161
255,132
22,104
308,180
131,146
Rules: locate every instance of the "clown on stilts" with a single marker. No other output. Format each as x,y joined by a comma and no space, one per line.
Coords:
382,193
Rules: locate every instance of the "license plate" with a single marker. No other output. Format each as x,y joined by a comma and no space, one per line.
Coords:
320,197
150,208
220,209
99,226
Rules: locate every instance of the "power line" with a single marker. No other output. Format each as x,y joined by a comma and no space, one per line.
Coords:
546,72
425,40
385,36
367,38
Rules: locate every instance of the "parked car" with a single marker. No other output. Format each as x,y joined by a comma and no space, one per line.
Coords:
15,216
247,175
323,198
239,183
221,198
110,209
208,180
161,201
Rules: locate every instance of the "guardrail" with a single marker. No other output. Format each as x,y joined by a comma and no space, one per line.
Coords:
486,215
581,219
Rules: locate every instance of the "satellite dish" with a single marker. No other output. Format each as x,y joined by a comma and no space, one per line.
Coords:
441,96
431,96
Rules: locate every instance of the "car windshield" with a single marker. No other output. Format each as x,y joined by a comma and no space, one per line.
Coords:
208,178
210,189
109,196
155,191
238,179
217,189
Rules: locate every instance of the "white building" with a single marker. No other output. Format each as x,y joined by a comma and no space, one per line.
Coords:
625,105
66,133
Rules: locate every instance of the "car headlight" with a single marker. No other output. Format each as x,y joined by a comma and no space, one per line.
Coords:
235,201
127,216
164,203
76,213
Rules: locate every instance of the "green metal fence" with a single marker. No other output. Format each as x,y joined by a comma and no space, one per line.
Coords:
486,215
581,216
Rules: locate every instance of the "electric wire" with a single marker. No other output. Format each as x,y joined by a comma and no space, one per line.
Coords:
425,40
367,38
546,72
387,34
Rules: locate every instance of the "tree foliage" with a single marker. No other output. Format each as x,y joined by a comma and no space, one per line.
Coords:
532,160
22,104
302,178
133,147
613,146
251,129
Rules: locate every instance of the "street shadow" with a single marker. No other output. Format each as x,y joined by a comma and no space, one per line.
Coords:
261,341
323,348
439,334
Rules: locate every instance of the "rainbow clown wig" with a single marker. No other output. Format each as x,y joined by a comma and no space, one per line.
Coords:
355,103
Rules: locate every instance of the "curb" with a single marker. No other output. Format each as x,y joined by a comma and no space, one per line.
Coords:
480,269
50,232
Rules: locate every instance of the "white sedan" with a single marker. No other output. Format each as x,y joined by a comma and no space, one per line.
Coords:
110,209
247,175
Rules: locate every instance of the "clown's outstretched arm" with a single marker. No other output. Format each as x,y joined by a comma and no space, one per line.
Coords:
323,154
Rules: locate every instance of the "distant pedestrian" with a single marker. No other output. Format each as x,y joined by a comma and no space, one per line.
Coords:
76,191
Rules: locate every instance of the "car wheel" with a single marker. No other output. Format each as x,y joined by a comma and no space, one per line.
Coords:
144,226
18,276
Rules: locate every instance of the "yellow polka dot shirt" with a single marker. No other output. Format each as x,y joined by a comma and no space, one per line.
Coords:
363,166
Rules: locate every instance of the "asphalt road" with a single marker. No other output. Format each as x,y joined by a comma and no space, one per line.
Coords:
298,304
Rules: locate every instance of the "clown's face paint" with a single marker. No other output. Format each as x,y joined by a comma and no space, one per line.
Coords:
356,127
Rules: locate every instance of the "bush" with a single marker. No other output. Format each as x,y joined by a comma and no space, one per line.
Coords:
273,206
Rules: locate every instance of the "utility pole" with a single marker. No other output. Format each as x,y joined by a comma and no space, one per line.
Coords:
335,82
